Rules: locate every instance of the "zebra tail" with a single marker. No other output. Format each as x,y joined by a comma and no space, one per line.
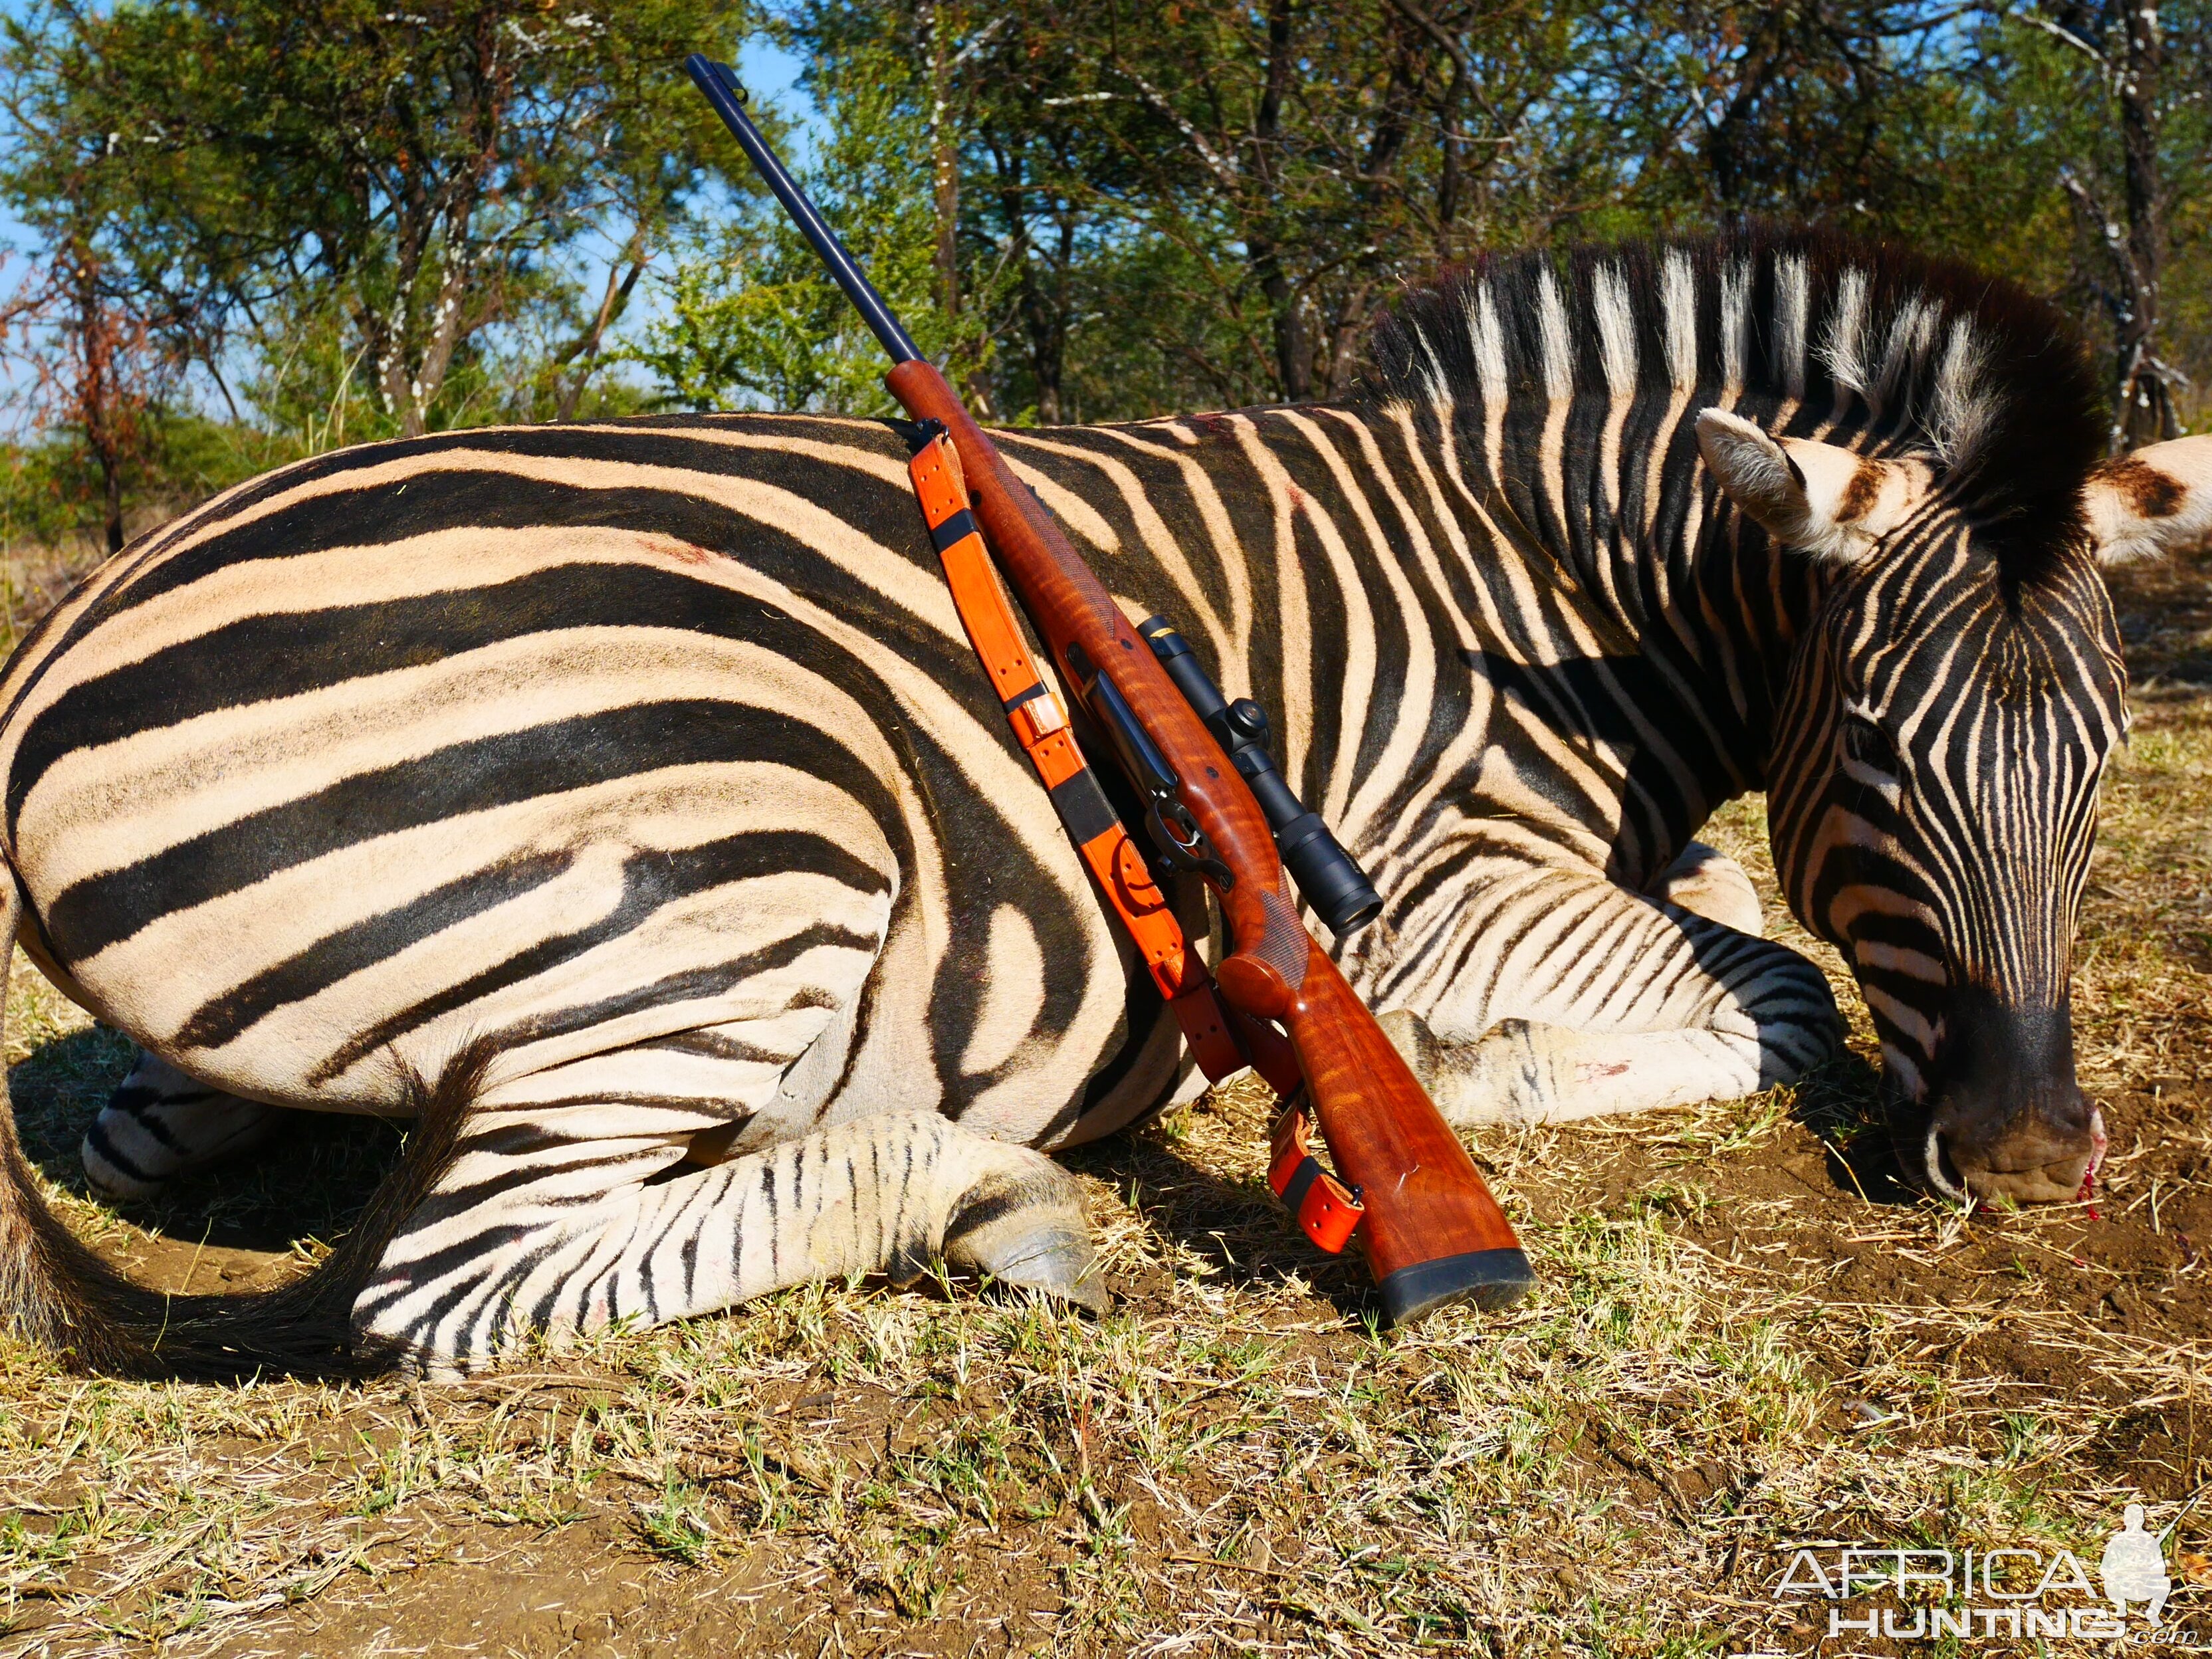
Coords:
57,1294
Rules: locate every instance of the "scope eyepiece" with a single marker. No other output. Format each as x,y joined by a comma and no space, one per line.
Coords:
1329,879
1248,720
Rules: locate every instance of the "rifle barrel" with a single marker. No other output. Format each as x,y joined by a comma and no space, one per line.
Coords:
1433,1232
726,94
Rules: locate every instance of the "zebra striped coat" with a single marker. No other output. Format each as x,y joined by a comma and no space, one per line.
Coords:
634,783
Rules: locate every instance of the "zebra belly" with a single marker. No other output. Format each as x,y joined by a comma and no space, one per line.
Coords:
562,927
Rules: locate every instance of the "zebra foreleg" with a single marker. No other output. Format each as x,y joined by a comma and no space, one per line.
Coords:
1601,1002
537,1232
1709,883
161,1124
1522,1071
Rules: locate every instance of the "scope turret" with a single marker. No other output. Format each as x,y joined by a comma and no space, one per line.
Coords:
1327,877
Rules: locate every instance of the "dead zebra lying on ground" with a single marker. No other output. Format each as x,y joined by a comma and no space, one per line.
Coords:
643,766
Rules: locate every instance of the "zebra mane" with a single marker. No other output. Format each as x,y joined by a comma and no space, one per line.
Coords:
1907,352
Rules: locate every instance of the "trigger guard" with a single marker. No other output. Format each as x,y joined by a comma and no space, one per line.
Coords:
1195,855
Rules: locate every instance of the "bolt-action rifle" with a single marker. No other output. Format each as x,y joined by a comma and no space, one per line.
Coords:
1215,805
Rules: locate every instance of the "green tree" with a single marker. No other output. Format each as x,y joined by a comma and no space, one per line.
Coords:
424,176
2128,143
750,317
349,221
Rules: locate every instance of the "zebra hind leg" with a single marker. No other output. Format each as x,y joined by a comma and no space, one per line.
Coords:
161,1124
552,1224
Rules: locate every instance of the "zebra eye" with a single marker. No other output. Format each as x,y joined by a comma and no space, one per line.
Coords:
1867,753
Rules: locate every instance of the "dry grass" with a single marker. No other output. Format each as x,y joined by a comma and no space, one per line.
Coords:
1743,1341
32,576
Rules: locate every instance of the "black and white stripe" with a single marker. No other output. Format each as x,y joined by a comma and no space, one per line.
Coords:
648,760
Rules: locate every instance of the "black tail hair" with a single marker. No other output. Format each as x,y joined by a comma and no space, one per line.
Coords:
57,1294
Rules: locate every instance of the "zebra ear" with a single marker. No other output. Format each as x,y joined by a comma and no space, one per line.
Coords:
1818,498
2157,500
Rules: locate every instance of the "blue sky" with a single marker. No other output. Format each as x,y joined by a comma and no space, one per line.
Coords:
771,73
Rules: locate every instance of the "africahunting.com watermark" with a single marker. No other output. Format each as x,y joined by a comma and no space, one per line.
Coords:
1998,1595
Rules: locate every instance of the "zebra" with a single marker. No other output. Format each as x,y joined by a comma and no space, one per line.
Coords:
621,798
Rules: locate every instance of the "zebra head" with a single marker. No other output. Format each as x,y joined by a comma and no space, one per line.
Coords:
1933,787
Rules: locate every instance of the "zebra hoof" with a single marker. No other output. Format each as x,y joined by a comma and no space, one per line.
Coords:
1025,1228
1417,1045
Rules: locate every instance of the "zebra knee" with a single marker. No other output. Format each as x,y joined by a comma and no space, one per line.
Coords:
1794,1015
1708,882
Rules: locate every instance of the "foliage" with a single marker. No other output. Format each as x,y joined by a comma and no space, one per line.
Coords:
344,222
752,317
42,489
1191,202
405,181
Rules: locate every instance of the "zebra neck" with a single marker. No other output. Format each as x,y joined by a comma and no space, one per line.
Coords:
1630,562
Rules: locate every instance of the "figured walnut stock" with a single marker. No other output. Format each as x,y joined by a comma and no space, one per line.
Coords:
1433,1232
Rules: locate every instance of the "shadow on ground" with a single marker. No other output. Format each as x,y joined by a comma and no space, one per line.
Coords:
310,1183
1232,1230
307,1185
1840,1100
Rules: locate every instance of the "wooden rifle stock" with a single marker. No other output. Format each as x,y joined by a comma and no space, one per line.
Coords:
1434,1234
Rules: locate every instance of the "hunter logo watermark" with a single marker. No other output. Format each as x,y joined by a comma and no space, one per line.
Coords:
2134,1567
2013,1595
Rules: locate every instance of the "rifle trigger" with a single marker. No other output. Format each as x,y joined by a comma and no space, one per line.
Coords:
1189,850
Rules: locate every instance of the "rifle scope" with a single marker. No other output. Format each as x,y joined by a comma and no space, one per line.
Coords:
1330,879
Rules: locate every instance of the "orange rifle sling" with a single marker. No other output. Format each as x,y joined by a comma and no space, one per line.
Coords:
1040,725
1327,1212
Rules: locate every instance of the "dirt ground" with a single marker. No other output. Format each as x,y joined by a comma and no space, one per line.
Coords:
1748,1342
